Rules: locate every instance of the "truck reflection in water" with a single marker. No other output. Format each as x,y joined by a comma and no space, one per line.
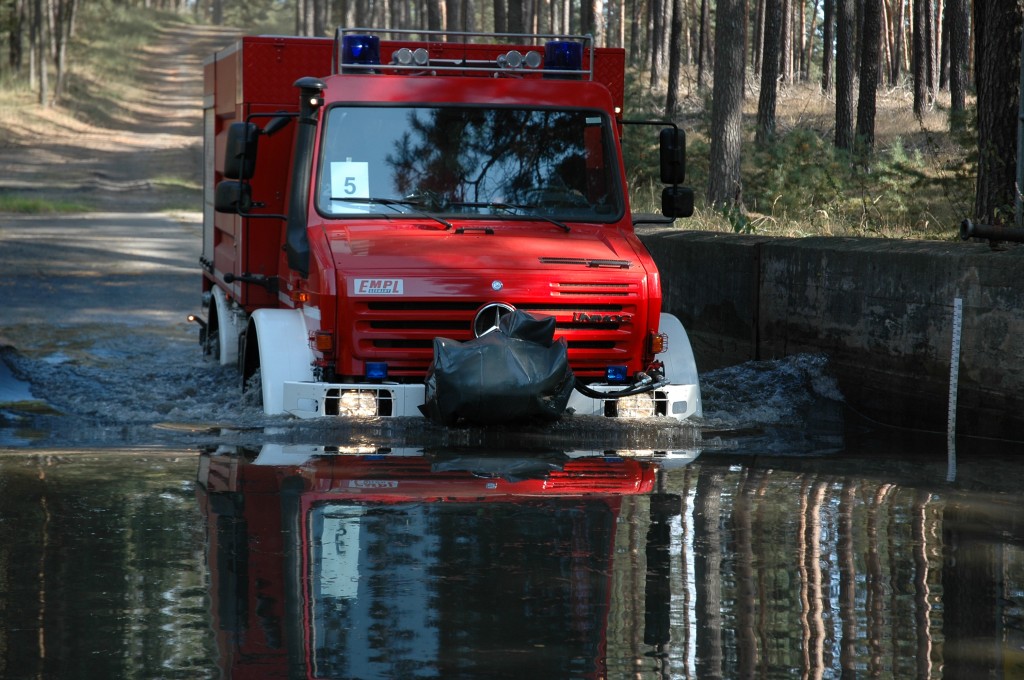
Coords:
432,565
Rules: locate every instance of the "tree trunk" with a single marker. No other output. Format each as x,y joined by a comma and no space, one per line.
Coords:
66,10
634,39
845,60
899,36
786,46
15,40
657,27
724,187
956,10
515,15
769,72
944,50
809,47
40,49
929,32
634,33
598,21
920,61
998,42
675,57
868,75
500,17
757,48
704,49
827,45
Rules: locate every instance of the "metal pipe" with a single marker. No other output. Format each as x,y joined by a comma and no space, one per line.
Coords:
992,232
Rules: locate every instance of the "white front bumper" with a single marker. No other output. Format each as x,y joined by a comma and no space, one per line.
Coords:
318,399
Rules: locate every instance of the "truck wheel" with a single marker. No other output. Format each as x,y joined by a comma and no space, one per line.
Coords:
211,341
252,390
252,385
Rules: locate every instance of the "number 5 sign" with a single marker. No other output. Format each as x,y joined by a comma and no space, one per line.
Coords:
350,179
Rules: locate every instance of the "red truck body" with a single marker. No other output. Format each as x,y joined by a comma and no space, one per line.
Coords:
306,550
365,282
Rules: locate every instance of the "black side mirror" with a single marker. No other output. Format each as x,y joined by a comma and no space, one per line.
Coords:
232,196
673,155
240,154
676,201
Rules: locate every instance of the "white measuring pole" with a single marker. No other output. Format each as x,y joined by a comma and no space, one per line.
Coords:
954,378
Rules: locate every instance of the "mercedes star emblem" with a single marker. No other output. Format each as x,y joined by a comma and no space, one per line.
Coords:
486,320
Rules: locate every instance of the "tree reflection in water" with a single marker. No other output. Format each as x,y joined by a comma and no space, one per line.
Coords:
728,567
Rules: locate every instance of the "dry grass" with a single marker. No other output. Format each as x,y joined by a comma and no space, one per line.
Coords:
917,183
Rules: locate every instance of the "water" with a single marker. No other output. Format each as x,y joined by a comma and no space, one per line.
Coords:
153,523
456,563
167,530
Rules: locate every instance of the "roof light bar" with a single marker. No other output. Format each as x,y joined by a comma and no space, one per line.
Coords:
357,50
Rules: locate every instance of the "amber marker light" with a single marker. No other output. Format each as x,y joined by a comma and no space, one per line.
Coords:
659,343
299,296
323,341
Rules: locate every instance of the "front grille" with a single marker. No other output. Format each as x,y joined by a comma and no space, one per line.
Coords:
402,332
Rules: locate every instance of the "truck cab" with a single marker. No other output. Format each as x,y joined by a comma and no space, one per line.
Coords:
367,196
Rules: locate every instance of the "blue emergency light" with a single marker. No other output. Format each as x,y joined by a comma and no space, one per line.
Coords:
563,55
363,50
376,370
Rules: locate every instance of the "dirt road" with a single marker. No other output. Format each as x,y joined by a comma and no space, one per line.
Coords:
135,261
125,164
93,307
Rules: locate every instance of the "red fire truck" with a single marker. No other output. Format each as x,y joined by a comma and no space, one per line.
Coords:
369,195
359,564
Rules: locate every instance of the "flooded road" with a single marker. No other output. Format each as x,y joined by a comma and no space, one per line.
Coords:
155,524
293,561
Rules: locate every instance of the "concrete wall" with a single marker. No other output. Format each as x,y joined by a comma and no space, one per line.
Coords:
881,309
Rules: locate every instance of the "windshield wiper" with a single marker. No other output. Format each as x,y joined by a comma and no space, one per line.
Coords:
513,206
397,205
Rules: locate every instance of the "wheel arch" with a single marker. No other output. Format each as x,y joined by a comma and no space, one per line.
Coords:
680,364
277,344
227,324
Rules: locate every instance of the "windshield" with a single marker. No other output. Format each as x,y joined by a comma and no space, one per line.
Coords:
503,162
